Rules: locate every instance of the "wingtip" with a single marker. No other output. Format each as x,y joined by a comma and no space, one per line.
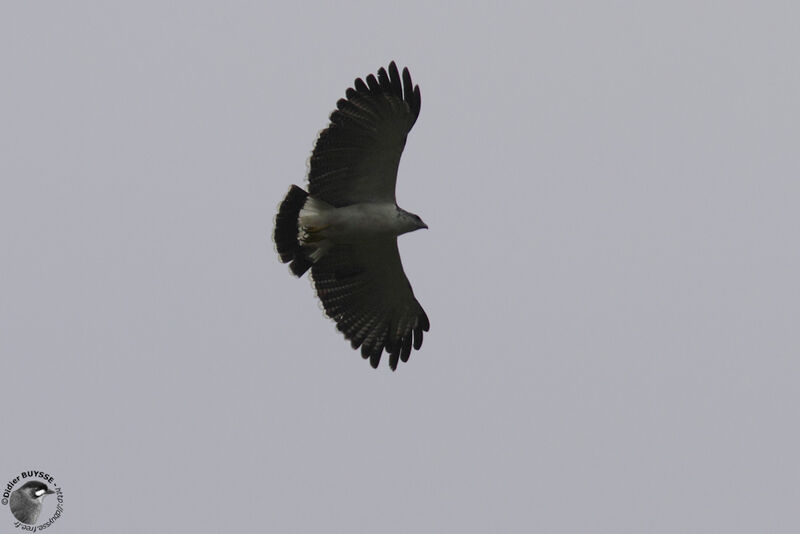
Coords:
360,86
374,360
373,84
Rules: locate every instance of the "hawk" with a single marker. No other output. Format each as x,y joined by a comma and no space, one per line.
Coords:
345,227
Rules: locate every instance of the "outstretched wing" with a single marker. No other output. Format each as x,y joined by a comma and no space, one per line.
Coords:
355,158
364,289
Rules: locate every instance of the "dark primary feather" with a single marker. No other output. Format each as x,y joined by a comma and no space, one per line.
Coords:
364,289
355,158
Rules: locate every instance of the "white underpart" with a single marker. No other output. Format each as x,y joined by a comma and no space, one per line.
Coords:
321,226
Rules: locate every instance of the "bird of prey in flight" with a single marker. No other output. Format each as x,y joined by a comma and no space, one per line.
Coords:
345,227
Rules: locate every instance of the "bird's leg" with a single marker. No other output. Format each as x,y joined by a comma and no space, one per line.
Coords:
313,234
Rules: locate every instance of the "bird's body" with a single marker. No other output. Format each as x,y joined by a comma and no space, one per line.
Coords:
358,222
26,502
345,227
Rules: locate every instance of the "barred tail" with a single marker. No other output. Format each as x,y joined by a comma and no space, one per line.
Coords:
286,229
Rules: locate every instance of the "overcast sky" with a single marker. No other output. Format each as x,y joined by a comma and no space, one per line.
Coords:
611,270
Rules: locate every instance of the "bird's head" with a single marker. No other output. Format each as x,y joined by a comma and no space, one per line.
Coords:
36,490
409,221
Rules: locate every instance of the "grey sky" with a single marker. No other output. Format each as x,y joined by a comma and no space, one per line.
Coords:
610,270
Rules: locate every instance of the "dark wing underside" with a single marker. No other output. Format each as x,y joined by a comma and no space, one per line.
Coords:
355,158
364,289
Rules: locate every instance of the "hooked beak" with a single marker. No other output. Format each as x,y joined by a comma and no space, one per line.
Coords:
424,226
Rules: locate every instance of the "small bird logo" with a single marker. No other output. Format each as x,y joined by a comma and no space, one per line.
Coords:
26,502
